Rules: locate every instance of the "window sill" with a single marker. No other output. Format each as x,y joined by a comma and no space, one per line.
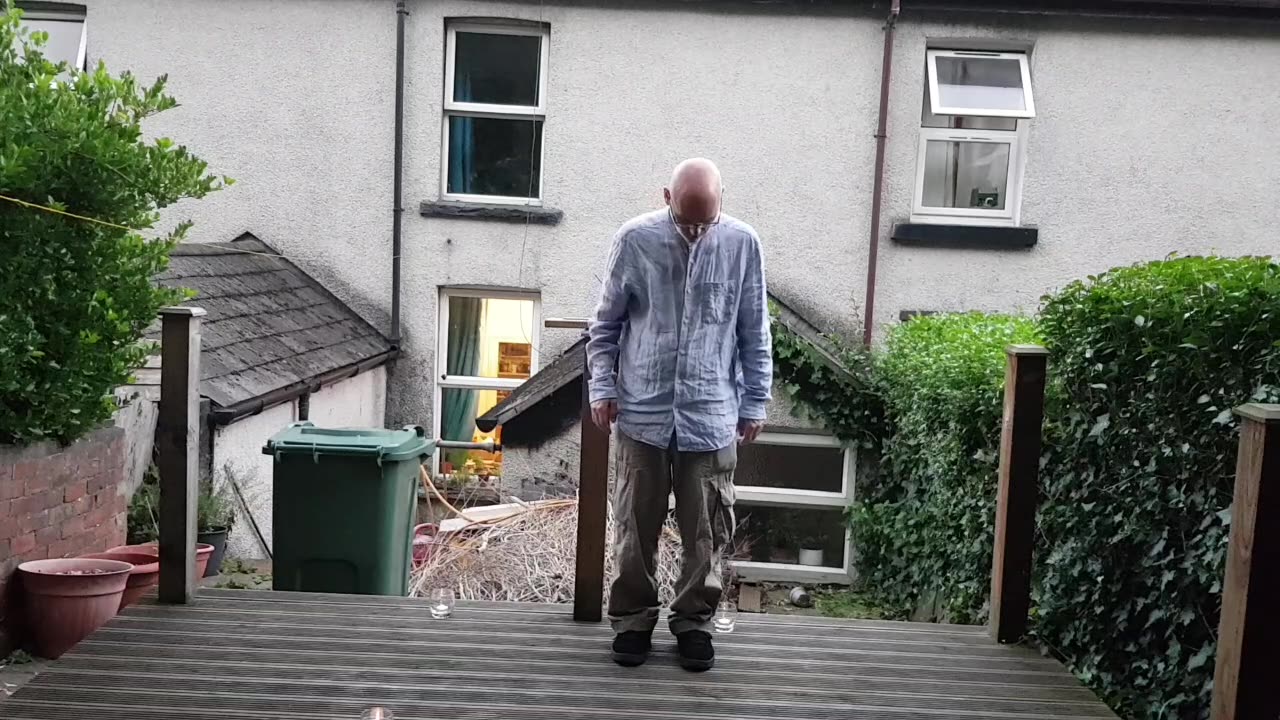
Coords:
970,237
532,214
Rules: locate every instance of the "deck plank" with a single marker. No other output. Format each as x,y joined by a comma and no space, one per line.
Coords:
240,654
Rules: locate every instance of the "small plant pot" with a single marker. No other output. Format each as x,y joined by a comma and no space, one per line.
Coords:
68,599
810,557
203,553
145,573
217,537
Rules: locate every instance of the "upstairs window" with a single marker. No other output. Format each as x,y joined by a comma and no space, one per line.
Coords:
495,106
65,25
972,137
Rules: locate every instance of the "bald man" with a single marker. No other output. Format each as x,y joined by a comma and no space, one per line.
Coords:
680,359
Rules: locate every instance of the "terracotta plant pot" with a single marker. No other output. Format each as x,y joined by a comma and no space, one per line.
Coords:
203,553
66,600
145,573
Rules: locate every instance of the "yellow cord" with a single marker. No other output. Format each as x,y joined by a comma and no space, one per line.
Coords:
45,208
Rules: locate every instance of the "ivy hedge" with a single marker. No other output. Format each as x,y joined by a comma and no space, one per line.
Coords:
1146,364
76,293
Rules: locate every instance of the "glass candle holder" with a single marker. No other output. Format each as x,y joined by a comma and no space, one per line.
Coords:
726,617
442,602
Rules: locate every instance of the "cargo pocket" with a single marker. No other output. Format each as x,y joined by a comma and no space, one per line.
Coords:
722,519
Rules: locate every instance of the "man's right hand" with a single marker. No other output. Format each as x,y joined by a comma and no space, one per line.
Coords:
603,413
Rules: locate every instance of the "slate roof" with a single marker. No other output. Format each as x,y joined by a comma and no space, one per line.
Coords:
269,325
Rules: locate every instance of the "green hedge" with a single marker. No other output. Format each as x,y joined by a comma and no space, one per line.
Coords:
1147,363
922,524
1140,446
75,294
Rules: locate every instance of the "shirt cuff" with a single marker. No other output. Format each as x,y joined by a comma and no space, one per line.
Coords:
603,391
751,409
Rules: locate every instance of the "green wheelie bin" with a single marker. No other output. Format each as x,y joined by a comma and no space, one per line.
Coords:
343,508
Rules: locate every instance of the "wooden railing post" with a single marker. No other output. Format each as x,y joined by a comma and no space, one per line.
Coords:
1016,502
178,437
1244,679
593,490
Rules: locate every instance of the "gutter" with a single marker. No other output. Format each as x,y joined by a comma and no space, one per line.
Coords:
397,200
232,413
877,193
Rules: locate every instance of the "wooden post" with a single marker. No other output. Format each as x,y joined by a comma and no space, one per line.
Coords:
178,438
593,490
1244,680
1019,481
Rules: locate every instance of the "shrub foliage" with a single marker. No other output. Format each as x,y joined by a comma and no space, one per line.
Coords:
76,295
1147,363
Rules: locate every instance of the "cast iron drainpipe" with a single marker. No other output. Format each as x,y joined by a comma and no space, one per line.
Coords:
877,192
397,210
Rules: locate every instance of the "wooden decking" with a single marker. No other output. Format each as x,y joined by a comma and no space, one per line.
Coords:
240,655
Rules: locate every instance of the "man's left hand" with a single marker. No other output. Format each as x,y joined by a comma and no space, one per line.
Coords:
749,430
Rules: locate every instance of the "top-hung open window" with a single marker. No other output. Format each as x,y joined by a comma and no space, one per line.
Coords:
980,84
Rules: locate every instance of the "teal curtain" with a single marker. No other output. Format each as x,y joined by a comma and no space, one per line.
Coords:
462,141
458,409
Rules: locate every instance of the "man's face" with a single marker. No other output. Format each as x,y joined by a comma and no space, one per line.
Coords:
694,212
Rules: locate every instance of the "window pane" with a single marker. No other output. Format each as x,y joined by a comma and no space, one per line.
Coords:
971,122
774,534
64,40
489,156
786,466
458,412
980,82
489,338
966,174
496,69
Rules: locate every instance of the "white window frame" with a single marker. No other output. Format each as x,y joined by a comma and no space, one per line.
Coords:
1011,214
469,382
1013,183
935,102
453,108
59,15
795,498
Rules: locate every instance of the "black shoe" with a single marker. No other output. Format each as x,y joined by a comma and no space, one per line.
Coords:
696,652
632,648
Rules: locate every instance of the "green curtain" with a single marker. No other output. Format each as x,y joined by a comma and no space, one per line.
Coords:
458,409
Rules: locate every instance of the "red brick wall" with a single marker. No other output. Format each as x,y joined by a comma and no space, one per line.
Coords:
57,502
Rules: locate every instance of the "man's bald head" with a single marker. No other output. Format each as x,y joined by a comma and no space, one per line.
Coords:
694,195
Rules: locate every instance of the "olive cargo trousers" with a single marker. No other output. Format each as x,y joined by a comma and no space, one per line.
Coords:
703,487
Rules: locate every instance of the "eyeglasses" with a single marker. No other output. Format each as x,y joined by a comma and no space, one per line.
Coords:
693,230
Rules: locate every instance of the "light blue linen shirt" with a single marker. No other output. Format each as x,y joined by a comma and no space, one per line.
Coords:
681,335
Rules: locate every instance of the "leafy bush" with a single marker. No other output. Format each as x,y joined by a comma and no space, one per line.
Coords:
76,295
923,527
1147,363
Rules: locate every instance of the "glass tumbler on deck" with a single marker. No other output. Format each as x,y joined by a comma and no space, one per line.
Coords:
442,601
726,617
377,713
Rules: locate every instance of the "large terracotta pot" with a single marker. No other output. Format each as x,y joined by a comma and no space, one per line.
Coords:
203,553
68,599
145,573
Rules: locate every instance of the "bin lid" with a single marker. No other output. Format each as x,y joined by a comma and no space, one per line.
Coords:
304,437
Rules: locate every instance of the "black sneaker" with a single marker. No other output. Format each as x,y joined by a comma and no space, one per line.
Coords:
632,648
696,651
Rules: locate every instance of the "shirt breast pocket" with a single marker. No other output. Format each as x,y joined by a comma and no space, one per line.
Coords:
718,302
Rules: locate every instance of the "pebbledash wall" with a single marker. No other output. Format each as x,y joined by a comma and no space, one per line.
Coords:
1142,146
57,502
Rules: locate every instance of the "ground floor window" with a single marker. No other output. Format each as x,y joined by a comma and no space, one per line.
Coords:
487,346
793,489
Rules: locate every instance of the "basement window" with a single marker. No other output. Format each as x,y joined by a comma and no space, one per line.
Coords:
494,110
792,491
973,137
